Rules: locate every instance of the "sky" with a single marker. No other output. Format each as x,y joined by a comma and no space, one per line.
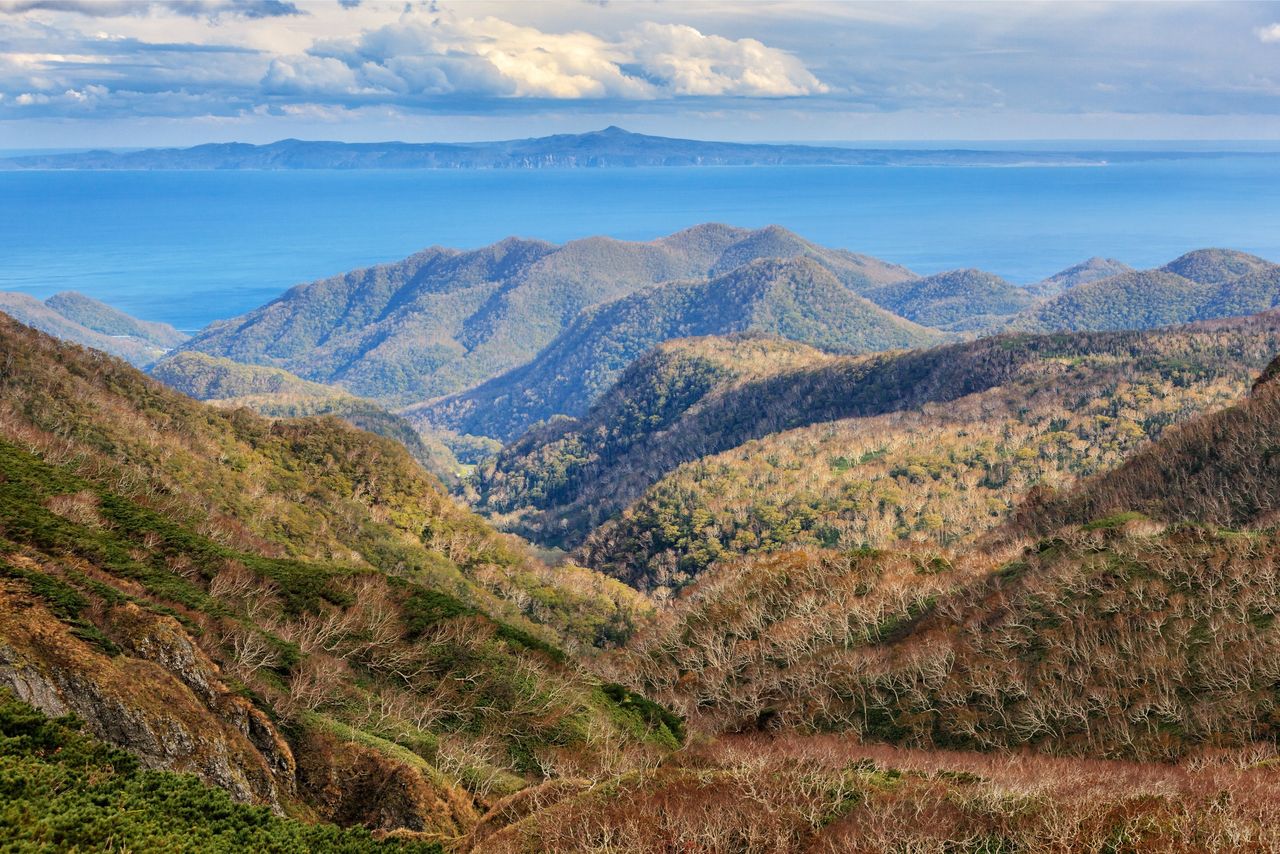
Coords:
133,73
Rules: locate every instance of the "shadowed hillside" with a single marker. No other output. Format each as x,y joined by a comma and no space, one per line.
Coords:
940,474
1113,635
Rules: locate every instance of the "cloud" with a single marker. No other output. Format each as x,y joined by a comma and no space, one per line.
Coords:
519,61
686,62
190,8
490,57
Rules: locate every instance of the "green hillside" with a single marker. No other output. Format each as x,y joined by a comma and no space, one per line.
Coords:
1200,285
952,299
560,481
796,299
1118,635
100,317
940,475
80,320
1083,273
276,393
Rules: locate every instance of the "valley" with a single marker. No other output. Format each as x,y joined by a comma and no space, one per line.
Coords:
525,546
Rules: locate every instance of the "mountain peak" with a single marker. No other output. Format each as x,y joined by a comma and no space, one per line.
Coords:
1215,266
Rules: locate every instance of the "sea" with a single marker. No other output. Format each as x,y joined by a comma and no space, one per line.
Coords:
188,248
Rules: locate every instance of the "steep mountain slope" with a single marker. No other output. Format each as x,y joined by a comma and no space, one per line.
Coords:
443,321
1200,285
1083,273
76,318
688,399
796,299
955,299
941,475
559,482
65,790
290,610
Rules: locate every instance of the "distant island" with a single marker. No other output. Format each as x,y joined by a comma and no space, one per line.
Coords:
611,147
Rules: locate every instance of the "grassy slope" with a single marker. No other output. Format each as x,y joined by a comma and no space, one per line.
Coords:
276,393
45,317
319,566
100,317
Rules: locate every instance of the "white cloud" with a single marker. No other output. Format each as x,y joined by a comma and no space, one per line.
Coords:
1269,34
495,58
690,63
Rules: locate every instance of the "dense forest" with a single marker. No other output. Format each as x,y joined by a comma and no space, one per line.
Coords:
938,474
559,482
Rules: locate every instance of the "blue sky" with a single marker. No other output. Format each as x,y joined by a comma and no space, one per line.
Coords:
77,73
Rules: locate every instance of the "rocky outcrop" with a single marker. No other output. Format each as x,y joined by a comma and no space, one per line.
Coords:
350,783
161,698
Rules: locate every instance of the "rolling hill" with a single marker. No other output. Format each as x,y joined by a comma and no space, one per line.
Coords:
958,299
81,320
797,299
337,656
1200,285
937,475
1083,273
276,393
679,405
1130,634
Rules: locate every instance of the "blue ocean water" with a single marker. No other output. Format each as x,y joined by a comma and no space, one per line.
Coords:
191,247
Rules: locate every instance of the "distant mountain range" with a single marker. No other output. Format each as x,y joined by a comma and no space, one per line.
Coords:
611,147
444,321
488,342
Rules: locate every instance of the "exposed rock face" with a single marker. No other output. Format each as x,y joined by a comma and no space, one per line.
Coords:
352,784
168,708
